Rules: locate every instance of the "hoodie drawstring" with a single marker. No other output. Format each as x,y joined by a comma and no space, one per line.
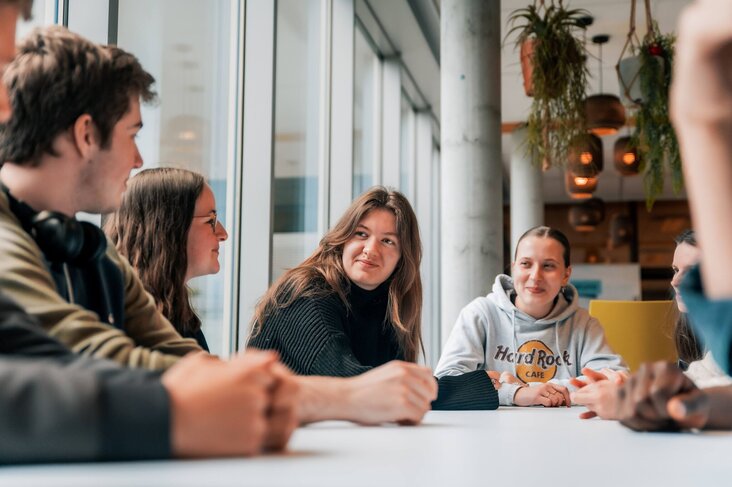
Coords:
559,350
515,342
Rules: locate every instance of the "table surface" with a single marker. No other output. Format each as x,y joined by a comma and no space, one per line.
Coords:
510,446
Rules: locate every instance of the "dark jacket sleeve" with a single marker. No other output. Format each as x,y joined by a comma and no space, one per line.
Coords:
310,338
470,391
22,336
57,406
51,413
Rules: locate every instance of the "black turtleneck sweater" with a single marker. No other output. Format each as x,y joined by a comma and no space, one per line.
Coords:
323,336
368,330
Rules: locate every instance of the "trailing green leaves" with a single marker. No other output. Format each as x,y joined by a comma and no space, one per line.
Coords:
557,116
654,136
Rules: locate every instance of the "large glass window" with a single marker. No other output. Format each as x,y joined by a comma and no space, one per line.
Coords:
297,153
185,45
406,149
43,13
365,113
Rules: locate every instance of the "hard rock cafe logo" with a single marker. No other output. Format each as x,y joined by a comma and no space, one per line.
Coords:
535,362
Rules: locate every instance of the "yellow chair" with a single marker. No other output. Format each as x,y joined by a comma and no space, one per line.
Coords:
640,331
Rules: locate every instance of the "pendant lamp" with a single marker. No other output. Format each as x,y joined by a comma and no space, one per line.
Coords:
605,113
621,230
584,166
579,187
626,159
585,216
585,157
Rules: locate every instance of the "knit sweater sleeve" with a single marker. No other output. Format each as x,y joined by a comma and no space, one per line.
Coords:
463,383
310,338
470,391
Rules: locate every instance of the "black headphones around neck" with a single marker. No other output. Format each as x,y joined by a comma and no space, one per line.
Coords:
61,238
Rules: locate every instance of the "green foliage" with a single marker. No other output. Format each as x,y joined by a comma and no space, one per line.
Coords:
557,117
654,136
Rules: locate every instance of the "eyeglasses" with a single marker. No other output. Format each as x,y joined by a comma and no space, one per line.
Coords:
214,220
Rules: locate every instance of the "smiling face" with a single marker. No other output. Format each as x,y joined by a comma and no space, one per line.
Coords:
204,237
373,252
538,274
685,256
104,178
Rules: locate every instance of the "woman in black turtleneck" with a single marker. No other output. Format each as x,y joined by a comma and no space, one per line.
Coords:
354,306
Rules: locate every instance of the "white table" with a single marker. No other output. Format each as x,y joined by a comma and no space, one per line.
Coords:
509,447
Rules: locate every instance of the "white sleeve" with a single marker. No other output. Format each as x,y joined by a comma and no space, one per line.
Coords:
706,373
506,393
464,351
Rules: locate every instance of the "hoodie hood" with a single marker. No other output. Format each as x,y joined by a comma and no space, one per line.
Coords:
491,333
565,306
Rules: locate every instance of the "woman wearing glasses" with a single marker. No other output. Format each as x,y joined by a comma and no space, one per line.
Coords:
168,229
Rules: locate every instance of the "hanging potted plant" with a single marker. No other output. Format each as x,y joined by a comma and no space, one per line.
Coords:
555,74
654,136
628,67
645,78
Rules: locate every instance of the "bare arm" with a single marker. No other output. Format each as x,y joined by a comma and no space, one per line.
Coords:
395,392
701,109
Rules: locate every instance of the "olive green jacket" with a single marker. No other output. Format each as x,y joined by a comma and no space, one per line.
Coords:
148,340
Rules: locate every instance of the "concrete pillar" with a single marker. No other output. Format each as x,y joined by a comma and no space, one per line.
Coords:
527,197
472,199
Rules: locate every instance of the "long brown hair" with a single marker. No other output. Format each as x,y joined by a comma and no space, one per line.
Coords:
151,229
322,273
688,346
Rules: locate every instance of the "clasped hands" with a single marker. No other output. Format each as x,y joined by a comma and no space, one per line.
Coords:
657,397
546,394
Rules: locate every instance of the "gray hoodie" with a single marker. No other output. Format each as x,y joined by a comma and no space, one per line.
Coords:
491,330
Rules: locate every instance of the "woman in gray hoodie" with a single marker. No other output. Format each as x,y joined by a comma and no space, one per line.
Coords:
529,334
